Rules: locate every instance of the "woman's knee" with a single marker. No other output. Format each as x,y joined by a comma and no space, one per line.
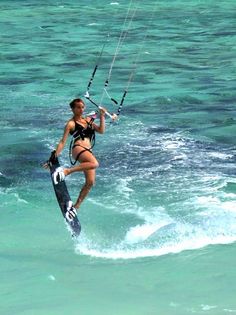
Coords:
96,164
93,163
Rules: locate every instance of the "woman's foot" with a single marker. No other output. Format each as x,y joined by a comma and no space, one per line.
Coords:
58,176
70,211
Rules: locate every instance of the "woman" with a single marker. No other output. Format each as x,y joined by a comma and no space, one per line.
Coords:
82,129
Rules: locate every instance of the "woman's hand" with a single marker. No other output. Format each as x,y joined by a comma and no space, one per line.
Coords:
52,159
103,111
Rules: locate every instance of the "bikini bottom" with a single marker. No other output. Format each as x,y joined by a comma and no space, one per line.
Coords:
81,152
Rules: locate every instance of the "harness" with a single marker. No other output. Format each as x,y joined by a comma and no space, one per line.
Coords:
80,133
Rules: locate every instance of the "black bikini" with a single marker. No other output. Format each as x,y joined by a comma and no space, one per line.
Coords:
81,132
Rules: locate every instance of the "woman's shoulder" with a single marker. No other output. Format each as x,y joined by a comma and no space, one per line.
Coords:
70,123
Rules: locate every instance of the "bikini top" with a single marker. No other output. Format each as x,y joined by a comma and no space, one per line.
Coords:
81,132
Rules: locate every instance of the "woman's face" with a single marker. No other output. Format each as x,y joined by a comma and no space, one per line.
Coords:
79,108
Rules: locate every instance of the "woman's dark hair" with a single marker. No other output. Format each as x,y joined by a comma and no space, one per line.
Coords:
76,100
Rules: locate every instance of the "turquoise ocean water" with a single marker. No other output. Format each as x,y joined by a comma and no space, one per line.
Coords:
159,228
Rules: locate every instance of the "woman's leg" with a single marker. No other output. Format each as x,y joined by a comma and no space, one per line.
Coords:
87,161
88,164
89,182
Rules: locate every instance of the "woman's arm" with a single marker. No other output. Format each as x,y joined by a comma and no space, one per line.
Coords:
101,128
62,142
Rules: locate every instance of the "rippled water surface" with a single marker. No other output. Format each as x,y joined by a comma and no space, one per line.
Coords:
159,228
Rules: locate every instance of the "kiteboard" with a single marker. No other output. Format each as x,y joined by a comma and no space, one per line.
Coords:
63,198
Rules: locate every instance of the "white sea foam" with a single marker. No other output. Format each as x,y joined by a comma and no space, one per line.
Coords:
178,157
123,187
203,200
12,197
170,145
186,237
214,204
160,234
93,24
140,233
173,304
51,277
151,252
16,195
205,307
97,202
220,155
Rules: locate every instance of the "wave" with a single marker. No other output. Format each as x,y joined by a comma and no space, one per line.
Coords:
175,248
162,234
180,197
140,233
9,197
